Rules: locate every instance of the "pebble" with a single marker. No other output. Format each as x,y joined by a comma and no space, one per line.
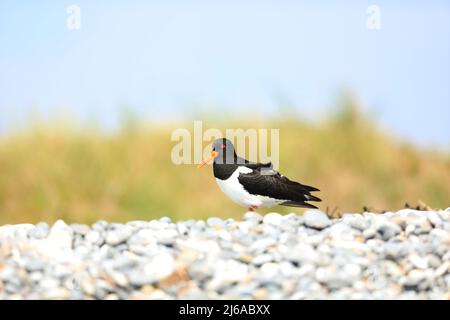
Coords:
332,277
434,218
253,216
369,233
261,259
56,294
119,278
273,218
418,262
301,254
414,278
40,231
94,237
359,223
119,235
397,255
165,219
59,238
394,250
388,231
80,229
160,266
262,245
316,219
215,222
34,264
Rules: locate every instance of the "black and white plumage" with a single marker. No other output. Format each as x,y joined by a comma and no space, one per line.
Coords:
255,185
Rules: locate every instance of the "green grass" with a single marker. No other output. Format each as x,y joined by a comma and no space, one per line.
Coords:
50,172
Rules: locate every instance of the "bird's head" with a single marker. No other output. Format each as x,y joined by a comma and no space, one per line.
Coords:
222,153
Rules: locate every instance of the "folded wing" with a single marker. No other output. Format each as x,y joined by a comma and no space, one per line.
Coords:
265,181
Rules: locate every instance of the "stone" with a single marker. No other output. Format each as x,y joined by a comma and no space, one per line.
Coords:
414,278
356,221
119,278
40,231
388,231
369,233
352,270
215,222
418,262
119,235
94,237
434,218
253,216
182,229
270,270
165,219
227,272
56,294
100,225
33,263
332,278
59,238
316,219
160,266
394,250
273,218
301,253
262,245
80,229
261,259
442,269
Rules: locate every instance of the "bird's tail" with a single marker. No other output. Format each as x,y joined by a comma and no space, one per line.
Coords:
298,204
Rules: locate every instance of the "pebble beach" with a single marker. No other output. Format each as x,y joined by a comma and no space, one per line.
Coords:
395,255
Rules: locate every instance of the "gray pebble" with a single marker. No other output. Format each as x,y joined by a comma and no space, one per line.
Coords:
434,218
40,231
261,259
34,263
100,225
388,231
117,236
273,218
369,233
139,278
395,250
316,219
253,216
414,278
215,222
165,219
80,229
356,221
94,237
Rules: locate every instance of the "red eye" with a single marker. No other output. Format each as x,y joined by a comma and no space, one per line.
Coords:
222,146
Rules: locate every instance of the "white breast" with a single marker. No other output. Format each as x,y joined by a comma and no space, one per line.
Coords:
236,192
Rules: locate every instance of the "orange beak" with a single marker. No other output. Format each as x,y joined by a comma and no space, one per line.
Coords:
214,154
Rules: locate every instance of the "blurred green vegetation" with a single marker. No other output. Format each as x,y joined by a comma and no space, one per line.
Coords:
55,170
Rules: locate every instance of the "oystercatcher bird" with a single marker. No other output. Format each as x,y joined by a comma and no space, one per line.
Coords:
255,185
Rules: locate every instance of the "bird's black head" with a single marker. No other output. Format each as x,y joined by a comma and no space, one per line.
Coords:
225,151
222,153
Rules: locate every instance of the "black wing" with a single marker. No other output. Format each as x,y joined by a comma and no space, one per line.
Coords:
265,181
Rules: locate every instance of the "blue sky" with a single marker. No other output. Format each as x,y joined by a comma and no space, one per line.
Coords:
161,58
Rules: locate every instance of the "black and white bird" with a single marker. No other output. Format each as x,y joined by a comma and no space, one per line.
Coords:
255,185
